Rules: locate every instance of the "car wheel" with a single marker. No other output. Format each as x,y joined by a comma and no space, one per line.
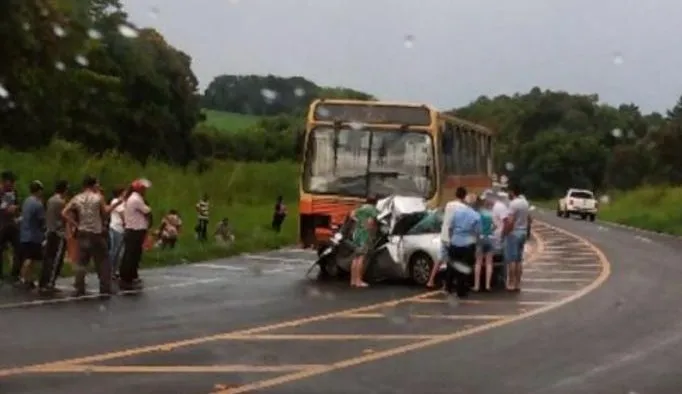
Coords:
420,268
328,268
583,217
566,214
558,211
592,217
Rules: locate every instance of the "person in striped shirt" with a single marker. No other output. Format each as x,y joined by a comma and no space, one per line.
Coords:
203,211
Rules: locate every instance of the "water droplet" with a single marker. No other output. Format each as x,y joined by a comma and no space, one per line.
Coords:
94,34
82,60
604,199
313,292
154,12
102,308
87,371
322,112
618,59
356,126
127,31
409,41
532,208
3,92
509,166
26,26
617,133
330,296
58,31
453,302
60,66
44,12
269,94
299,92
11,105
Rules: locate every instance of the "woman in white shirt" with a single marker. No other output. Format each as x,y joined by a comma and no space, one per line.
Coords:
116,229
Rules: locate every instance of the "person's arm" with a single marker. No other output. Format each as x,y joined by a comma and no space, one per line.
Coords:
106,208
67,214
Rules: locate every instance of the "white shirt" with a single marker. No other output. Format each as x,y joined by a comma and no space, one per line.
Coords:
116,221
135,213
519,209
499,212
449,211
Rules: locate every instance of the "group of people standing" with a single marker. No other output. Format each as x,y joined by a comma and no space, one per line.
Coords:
39,233
474,231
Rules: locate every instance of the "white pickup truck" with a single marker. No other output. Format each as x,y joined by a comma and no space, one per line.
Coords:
578,202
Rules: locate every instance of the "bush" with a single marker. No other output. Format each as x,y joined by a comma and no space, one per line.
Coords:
243,192
650,208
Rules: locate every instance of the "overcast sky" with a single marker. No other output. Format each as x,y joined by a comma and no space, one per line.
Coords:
624,50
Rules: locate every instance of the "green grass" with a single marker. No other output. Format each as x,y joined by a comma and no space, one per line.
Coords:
650,208
243,192
229,121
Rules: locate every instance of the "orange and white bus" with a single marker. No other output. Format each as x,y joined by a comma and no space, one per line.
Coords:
354,149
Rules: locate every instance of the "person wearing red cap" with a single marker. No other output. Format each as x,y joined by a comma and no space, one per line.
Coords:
137,217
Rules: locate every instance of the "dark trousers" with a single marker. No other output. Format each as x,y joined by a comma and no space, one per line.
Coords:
133,243
461,254
277,220
92,246
202,230
55,249
9,236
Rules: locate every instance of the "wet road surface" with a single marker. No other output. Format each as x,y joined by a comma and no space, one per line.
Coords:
254,324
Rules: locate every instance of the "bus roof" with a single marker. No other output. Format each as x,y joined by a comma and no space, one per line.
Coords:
372,102
465,122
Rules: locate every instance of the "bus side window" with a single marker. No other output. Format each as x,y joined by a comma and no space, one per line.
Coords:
473,151
480,145
446,148
458,159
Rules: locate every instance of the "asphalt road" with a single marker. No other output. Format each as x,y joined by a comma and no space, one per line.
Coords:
590,320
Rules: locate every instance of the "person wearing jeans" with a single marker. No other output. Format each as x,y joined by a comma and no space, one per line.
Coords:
116,230
516,226
55,242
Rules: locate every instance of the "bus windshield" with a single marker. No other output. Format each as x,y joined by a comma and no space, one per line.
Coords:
364,162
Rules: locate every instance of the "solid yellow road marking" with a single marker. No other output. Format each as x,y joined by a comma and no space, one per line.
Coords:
557,280
547,291
561,272
177,368
424,316
289,378
511,302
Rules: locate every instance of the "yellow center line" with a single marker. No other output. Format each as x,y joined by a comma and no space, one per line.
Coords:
510,302
176,368
426,316
354,361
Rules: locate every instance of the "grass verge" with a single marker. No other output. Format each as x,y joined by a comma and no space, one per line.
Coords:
243,192
229,121
650,208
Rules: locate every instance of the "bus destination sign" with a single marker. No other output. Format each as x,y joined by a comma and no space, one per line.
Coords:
386,114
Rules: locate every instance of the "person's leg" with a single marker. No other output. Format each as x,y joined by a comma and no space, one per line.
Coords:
478,265
140,236
125,268
47,270
3,247
488,257
354,271
519,261
116,253
203,229
84,254
27,252
102,264
436,266
59,261
17,263
510,256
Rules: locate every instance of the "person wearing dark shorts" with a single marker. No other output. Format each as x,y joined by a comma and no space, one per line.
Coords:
31,233
9,229
55,243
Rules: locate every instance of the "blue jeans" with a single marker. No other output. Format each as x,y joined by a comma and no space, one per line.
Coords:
115,248
514,245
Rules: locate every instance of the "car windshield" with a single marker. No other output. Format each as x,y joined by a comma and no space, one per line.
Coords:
582,194
362,162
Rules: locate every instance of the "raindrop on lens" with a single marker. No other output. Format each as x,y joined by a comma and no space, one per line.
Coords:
299,92
356,126
58,31
409,41
127,31
509,166
604,199
268,94
26,26
322,111
60,66
82,60
94,34
3,92
617,133
618,59
154,12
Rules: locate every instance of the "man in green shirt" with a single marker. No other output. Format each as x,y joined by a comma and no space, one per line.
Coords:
365,219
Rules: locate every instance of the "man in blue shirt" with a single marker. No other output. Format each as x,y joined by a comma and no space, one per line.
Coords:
32,232
463,231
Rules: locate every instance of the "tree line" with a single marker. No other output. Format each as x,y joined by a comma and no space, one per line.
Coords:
80,71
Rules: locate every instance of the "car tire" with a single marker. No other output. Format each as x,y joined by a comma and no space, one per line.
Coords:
558,212
566,214
593,217
420,268
583,216
328,268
